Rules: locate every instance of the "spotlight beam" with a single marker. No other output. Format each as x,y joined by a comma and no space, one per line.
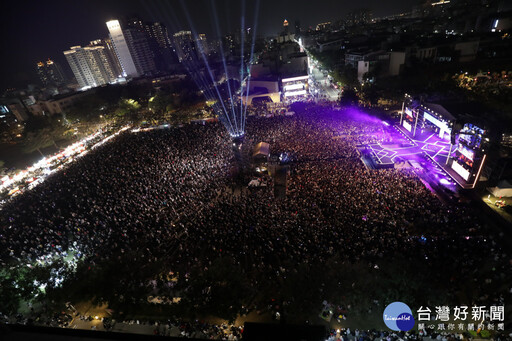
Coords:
194,33
256,13
242,38
217,28
230,111
197,77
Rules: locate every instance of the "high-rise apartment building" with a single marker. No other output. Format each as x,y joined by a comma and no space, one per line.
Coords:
159,32
185,47
285,26
50,73
359,16
162,46
90,65
229,44
140,49
297,27
202,44
121,48
99,63
78,63
159,43
113,61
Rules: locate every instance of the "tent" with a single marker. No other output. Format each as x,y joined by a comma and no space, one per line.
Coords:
262,150
503,189
257,183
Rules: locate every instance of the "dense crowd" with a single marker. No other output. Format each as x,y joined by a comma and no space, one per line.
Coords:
127,191
196,329
317,133
169,195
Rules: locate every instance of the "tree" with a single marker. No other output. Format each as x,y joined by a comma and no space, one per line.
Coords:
169,107
348,97
9,295
128,110
369,94
348,77
328,59
36,140
137,91
158,103
87,110
36,123
109,94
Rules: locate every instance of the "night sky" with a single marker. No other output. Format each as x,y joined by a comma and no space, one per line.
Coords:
37,30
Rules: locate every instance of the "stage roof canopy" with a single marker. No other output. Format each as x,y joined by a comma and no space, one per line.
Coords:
439,109
262,149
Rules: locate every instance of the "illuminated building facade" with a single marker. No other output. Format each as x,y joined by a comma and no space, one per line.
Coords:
50,73
465,141
161,45
228,42
324,26
470,153
121,48
359,16
149,45
78,63
297,27
427,118
111,56
140,50
295,88
90,65
202,44
184,44
158,31
99,63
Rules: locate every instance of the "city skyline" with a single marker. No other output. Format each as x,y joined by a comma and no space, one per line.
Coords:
36,31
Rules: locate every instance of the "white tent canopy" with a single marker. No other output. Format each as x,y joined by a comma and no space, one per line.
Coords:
262,149
503,189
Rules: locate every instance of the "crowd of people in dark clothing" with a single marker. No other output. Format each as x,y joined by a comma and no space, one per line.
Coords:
169,197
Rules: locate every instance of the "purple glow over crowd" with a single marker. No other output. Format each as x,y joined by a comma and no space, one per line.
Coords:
334,207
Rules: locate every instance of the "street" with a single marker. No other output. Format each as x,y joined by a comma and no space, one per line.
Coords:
321,87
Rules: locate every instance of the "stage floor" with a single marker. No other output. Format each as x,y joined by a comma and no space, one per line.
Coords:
404,148
426,153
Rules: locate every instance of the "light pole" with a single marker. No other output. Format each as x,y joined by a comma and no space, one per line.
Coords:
402,113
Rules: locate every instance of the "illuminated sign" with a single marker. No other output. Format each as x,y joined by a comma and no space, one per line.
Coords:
295,93
407,125
294,87
440,124
113,24
471,135
293,79
470,154
463,172
408,112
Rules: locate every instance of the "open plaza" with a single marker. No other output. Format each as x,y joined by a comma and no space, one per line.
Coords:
166,201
